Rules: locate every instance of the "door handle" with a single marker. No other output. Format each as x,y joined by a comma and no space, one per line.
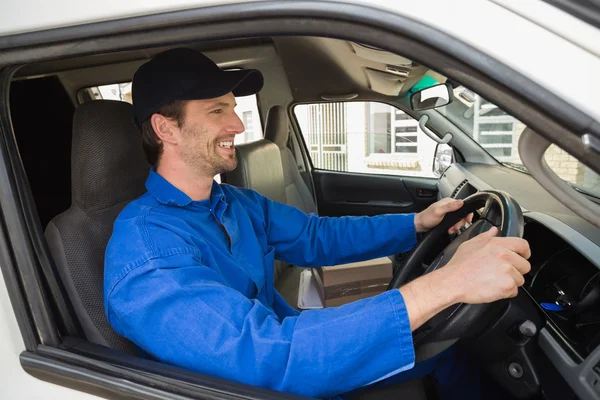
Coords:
426,193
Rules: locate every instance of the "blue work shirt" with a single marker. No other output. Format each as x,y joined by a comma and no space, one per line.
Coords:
198,293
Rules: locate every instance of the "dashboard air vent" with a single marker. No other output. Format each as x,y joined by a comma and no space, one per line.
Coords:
458,188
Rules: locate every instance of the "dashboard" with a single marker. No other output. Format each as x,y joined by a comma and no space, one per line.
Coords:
564,282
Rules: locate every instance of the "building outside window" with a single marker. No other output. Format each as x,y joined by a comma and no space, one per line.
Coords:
247,120
366,137
406,138
494,130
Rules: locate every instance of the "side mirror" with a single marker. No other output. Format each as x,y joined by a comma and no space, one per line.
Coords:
442,159
431,97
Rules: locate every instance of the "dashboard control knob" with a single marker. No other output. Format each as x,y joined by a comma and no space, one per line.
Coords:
528,329
515,370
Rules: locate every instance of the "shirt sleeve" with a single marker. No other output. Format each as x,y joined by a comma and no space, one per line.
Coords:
313,241
181,312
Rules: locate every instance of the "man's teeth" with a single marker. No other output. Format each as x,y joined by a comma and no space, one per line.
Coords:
227,145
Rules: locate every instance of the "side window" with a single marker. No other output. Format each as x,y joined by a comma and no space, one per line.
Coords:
570,169
247,107
247,110
365,137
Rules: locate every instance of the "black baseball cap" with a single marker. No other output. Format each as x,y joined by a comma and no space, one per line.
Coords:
186,74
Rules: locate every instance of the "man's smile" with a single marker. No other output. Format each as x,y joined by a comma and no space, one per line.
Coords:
226,146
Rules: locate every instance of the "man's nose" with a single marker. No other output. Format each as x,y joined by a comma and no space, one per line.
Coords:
235,126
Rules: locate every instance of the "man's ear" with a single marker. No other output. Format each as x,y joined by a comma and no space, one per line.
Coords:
166,129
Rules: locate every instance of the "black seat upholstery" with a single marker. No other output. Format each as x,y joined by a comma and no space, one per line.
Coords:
277,131
108,169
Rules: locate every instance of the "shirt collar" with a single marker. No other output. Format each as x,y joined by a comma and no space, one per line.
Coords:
168,194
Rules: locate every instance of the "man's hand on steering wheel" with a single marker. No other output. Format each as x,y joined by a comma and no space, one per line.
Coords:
484,269
435,213
487,268
459,290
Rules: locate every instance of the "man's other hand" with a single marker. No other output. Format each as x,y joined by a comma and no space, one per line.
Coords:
487,268
434,214
484,269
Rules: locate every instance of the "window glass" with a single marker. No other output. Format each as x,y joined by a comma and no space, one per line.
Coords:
572,170
498,133
366,137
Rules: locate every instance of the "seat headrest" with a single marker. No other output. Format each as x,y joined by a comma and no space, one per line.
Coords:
259,168
108,164
277,126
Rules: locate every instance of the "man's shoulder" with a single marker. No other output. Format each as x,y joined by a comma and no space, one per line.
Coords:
140,230
143,231
128,227
138,208
143,220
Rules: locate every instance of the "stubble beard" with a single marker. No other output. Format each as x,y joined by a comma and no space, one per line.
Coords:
202,155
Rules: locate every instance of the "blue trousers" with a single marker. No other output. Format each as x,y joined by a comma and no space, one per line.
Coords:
456,376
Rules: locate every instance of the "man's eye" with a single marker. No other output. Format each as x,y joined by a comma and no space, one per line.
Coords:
218,111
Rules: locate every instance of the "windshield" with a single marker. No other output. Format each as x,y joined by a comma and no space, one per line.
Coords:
498,133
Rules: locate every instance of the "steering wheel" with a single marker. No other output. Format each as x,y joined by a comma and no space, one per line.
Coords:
460,320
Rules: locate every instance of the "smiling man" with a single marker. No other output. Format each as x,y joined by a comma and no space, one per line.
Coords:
189,268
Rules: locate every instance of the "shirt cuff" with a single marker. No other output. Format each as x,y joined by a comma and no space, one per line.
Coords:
405,340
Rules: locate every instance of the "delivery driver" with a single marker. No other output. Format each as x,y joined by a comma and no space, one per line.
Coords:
189,267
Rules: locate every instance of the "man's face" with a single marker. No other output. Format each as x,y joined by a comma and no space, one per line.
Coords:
206,141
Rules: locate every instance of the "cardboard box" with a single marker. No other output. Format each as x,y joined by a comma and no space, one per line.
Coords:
345,283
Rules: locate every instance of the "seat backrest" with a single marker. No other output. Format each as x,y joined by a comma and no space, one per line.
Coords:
108,169
268,166
277,130
259,168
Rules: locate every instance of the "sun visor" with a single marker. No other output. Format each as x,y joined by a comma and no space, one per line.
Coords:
384,82
379,55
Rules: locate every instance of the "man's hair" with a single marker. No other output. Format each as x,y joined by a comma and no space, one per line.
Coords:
153,147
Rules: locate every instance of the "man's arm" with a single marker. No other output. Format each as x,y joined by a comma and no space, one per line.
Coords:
182,313
313,241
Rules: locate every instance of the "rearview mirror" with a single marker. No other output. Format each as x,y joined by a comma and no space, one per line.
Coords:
431,97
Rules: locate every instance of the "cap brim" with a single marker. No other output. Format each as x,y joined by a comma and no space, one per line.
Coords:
247,82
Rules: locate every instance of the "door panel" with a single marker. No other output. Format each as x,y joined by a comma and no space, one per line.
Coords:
344,193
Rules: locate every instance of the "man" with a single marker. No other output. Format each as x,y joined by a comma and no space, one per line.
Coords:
189,268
